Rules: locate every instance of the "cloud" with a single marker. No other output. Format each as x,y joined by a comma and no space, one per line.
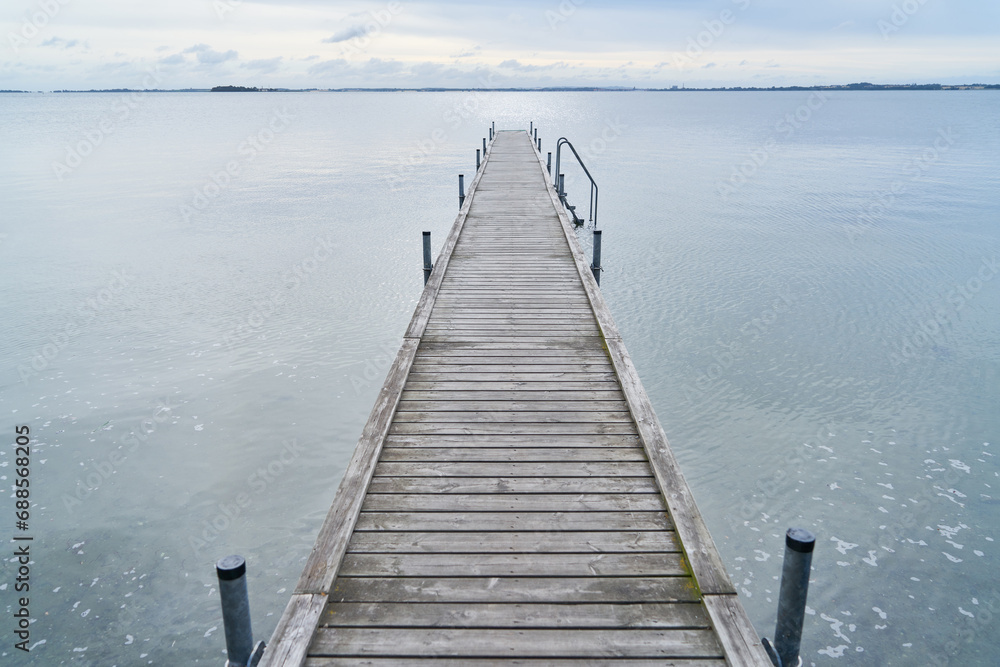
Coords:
427,70
214,57
334,67
346,34
379,66
517,66
60,42
176,59
208,56
264,66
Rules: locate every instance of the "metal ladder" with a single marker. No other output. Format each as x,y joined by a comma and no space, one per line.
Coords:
558,180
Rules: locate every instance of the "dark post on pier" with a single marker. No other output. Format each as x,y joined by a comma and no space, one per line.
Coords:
513,498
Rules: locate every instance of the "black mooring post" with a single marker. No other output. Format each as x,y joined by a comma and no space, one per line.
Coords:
548,163
461,190
477,159
799,545
484,146
428,266
596,266
240,649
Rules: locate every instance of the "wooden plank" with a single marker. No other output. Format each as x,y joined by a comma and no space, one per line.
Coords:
492,312
523,329
482,349
508,368
540,376
512,521
516,396
516,615
515,385
511,565
494,470
513,417
513,440
624,541
555,292
471,428
513,589
510,303
410,661
526,323
509,502
511,454
736,634
499,339
290,639
467,485
473,405
579,343
513,355
530,643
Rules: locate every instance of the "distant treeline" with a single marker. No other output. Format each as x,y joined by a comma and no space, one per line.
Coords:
134,90
858,86
563,89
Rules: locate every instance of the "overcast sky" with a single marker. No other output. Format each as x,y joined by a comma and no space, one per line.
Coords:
53,44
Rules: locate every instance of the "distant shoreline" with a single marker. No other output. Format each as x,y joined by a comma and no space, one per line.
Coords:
554,89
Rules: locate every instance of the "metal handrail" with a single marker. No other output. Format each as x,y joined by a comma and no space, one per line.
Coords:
593,183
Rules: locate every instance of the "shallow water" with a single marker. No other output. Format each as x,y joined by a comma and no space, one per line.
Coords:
807,285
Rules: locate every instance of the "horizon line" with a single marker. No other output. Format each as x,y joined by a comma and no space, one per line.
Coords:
565,88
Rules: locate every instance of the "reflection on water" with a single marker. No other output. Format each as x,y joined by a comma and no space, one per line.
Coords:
196,333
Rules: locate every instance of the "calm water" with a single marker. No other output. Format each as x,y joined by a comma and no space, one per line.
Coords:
201,301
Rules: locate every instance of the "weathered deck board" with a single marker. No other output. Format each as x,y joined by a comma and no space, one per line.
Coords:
517,615
591,588
499,522
513,499
605,541
504,662
512,565
510,454
530,643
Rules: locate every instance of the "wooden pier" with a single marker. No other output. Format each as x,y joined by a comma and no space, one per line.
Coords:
513,498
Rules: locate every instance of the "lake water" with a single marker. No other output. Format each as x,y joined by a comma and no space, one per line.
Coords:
202,294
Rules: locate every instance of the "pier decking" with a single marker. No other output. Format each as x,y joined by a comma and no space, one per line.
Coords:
513,499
